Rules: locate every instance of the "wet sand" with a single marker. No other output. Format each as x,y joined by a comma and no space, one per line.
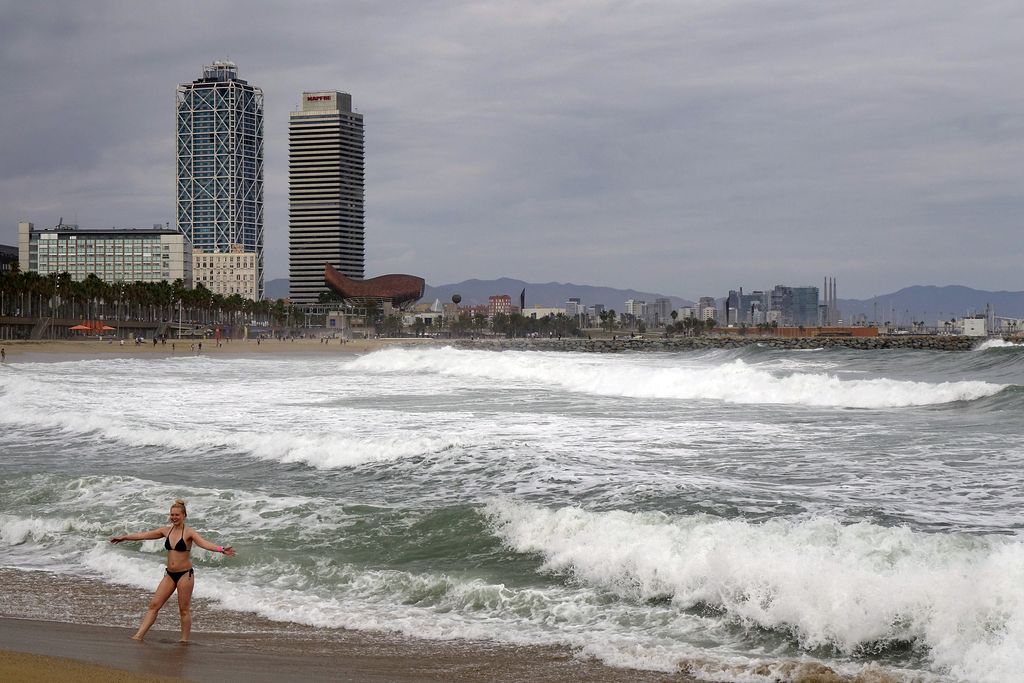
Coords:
26,668
79,618
256,658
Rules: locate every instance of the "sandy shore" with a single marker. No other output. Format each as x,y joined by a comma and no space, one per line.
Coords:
236,646
256,658
93,348
26,668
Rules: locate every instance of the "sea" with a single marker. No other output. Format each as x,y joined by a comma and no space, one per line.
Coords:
726,513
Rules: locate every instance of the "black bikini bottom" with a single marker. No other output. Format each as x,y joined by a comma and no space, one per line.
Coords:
177,575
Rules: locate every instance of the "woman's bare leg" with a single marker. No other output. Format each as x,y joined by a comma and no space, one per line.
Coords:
185,585
163,591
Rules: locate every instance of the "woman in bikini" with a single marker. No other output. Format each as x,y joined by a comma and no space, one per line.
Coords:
178,539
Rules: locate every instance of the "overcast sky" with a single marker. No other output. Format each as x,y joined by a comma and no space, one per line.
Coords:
679,147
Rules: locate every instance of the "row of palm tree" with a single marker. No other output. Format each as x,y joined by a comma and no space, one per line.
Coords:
56,295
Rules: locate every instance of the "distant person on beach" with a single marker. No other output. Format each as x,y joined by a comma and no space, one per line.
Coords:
180,575
3,354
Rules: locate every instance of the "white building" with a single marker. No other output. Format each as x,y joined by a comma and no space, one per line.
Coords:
635,308
974,327
128,255
227,273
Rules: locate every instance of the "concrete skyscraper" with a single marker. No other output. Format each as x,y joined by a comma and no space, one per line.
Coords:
325,193
220,166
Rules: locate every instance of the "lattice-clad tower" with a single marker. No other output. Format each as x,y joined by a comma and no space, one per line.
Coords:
326,211
220,163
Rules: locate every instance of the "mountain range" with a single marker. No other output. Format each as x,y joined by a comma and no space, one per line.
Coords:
919,302
931,303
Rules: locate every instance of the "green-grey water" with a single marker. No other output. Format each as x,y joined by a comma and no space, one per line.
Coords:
733,508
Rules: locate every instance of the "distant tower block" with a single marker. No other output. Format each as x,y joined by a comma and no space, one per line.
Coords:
220,164
326,211
831,303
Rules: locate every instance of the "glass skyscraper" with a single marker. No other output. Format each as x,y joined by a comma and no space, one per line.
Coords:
220,164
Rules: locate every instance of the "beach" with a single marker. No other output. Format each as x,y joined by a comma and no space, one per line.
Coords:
260,651
94,348
42,649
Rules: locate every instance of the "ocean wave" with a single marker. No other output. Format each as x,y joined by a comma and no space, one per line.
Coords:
325,450
440,606
322,590
990,344
15,530
853,588
731,382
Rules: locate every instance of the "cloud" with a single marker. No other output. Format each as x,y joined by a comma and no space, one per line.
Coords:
677,147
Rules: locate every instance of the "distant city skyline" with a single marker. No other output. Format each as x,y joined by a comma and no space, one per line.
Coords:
684,148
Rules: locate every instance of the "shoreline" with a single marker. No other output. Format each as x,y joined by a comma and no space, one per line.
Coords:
36,645
253,648
92,348
353,656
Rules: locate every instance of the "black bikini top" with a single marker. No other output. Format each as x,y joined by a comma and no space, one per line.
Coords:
180,545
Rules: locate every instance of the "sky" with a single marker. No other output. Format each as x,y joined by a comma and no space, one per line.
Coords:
680,147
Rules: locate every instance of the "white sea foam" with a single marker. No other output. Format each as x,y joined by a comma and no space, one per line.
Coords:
997,344
734,382
17,530
443,607
821,581
843,586
322,450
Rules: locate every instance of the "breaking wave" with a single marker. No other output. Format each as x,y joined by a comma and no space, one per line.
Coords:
853,588
731,382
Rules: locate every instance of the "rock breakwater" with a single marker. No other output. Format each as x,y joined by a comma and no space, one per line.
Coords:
923,342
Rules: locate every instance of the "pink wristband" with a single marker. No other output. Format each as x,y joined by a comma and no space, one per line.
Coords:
220,549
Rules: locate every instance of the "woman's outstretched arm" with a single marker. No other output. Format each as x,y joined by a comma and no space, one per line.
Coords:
206,545
140,535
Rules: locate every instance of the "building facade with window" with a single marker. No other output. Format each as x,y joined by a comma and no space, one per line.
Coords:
326,213
8,257
128,255
500,303
226,273
220,164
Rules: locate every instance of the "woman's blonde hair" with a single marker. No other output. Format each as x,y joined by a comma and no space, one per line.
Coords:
179,503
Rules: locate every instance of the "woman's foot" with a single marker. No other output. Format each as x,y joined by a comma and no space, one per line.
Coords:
137,637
